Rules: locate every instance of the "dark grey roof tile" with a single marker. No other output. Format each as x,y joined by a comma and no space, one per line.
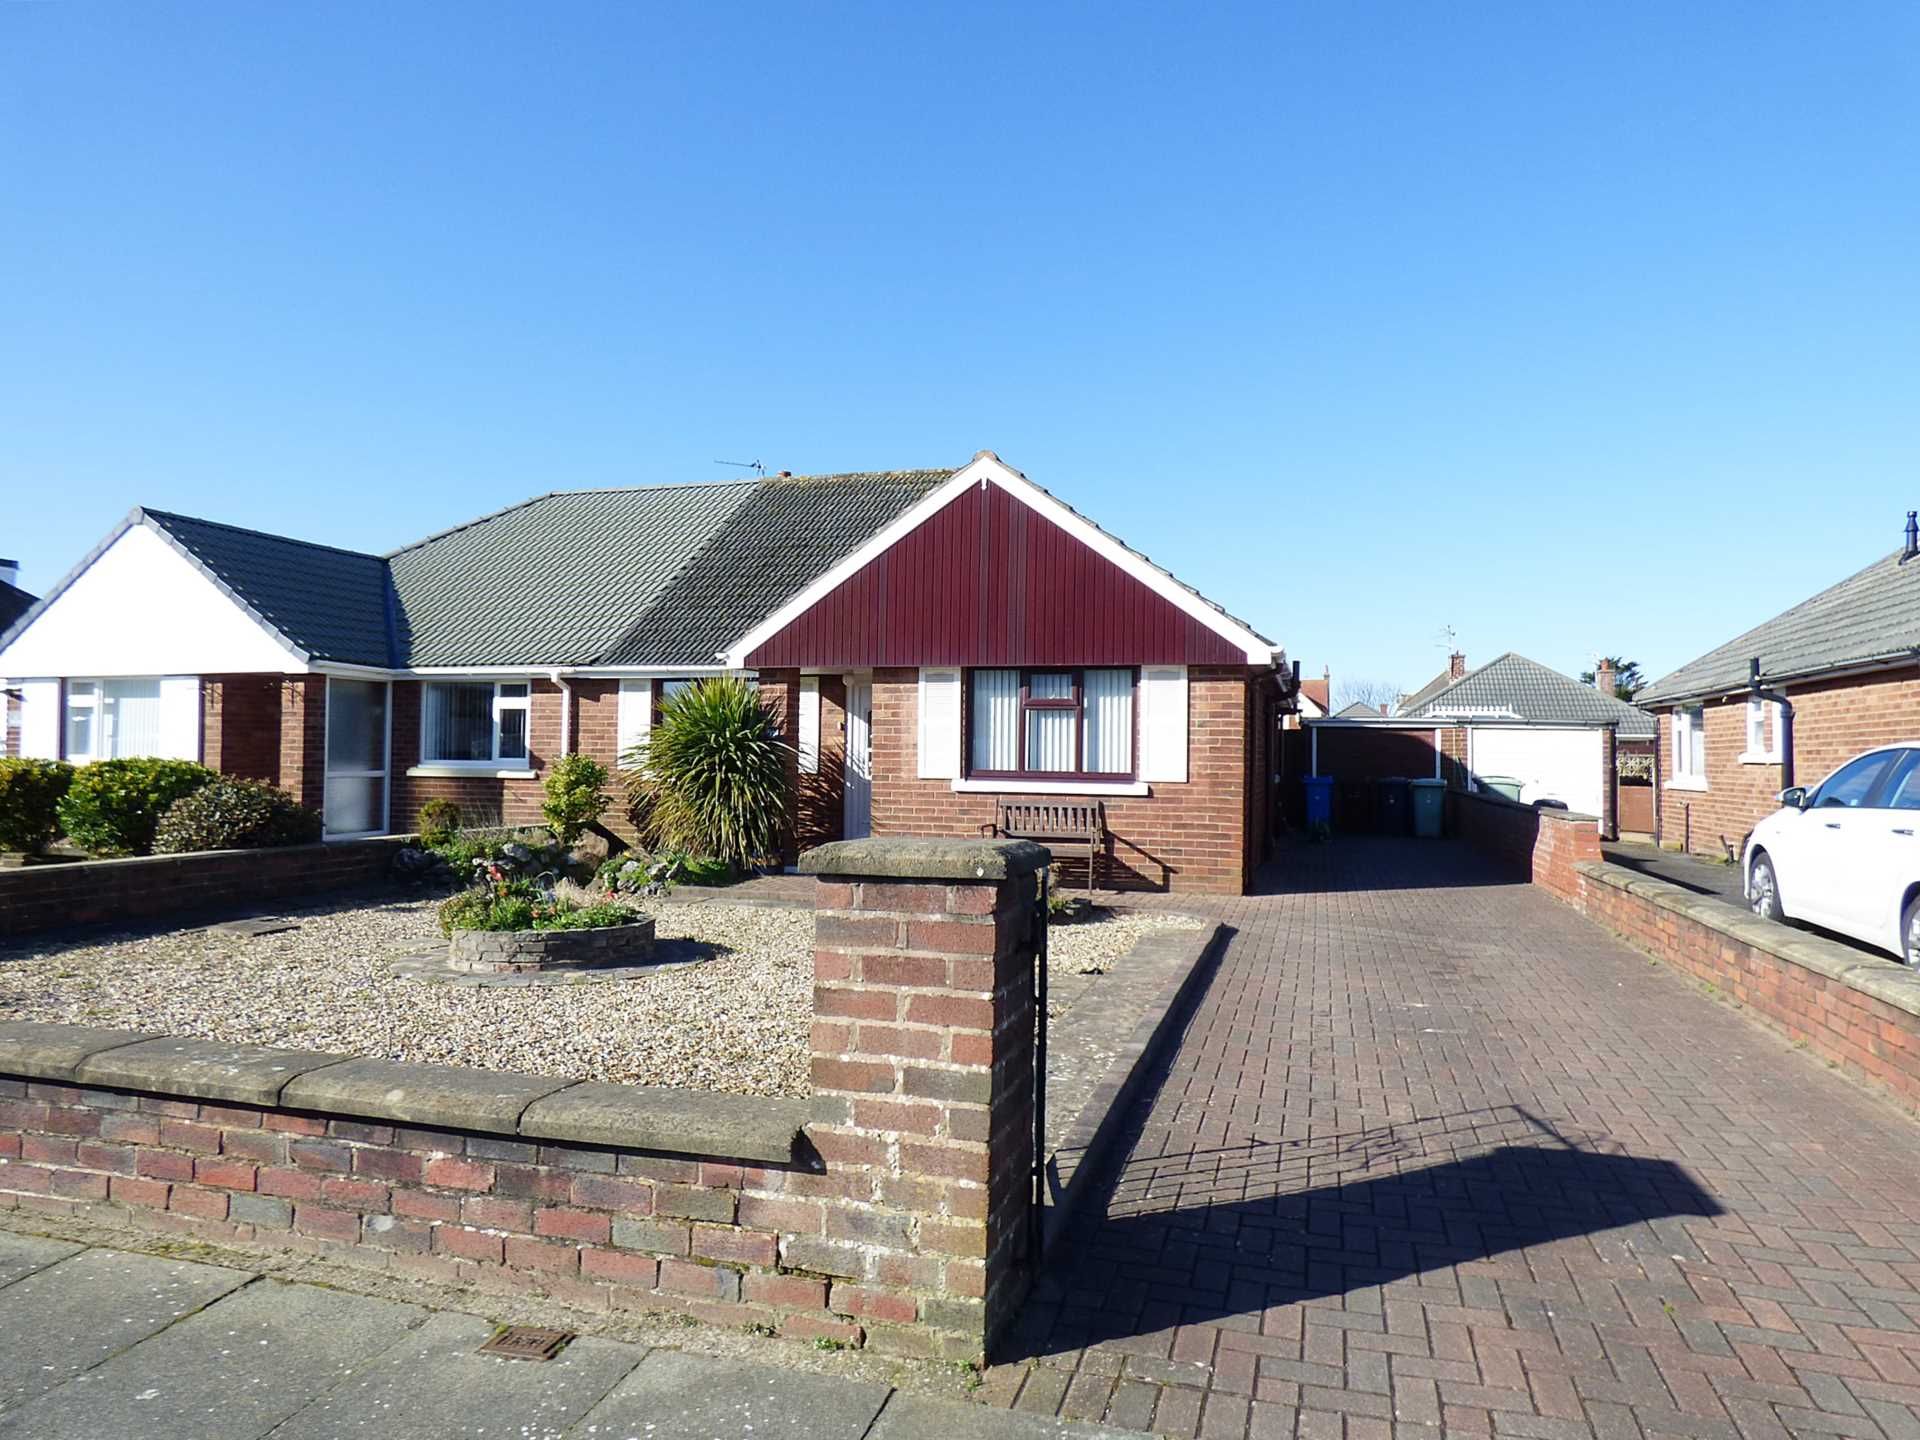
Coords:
1868,618
329,602
1516,688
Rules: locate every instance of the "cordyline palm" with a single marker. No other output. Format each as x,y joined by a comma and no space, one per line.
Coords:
711,777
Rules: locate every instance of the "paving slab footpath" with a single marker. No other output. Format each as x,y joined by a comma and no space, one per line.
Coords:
103,1343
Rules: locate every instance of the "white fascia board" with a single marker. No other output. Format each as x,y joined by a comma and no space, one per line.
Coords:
987,470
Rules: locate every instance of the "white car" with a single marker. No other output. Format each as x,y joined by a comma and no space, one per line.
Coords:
1845,854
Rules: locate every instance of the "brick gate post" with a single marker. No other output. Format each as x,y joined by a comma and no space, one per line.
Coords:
923,1078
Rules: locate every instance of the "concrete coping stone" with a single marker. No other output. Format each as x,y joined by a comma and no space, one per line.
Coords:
533,1107
452,1097
902,858
655,1117
206,1069
55,1052
1886,980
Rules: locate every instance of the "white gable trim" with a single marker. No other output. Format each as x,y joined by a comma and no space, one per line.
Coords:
987,469
166,622
18,653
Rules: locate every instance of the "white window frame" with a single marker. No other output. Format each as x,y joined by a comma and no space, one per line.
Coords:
96,698
1688,721
511,767
1763,732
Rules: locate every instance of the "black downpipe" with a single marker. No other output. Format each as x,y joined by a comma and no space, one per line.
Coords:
1786,719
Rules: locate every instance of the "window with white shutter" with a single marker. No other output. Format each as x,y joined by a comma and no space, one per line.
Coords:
939,724
1163,723
809,725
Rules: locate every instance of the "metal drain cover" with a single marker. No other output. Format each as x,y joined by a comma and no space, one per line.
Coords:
526,1342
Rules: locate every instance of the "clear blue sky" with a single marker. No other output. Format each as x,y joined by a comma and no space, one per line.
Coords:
1576,328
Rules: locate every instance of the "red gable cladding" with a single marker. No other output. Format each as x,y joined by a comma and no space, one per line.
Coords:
987,580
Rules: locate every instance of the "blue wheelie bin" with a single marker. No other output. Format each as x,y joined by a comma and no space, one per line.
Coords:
1319,800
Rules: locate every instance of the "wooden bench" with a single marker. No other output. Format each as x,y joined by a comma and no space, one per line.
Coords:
1053,824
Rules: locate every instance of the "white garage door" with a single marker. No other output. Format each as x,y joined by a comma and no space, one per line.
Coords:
1559,765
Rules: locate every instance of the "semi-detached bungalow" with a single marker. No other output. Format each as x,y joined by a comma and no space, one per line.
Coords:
932,640
1846,662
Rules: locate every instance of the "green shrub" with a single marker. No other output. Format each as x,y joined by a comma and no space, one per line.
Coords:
520,905
439,822
113,806
30,794
576,796
711,778
230,814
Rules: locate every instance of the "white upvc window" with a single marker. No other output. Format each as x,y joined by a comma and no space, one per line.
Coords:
1763,732
144,715
1690,747
474,722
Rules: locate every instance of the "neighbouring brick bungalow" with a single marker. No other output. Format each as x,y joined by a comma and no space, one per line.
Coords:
931,639
14,602
1848,662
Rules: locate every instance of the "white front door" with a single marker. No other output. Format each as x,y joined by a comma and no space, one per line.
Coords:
859,766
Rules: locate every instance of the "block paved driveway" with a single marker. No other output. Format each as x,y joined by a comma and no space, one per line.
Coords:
1438,1154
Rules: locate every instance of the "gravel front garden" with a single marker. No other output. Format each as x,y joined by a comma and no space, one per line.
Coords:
735,1020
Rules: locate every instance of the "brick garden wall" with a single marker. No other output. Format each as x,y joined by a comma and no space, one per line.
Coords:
899,1220
46,897
1833,721
1541,846
1857,1010
1188,837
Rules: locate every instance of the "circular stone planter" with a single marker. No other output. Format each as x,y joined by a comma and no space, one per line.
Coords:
517,952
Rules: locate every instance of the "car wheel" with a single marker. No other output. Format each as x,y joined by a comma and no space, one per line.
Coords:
1910,931
1763,891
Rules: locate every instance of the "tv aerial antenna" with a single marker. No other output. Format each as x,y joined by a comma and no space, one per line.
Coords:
753,465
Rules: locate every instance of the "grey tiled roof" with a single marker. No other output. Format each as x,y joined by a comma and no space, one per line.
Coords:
786,533
1411,703
1514,687
644,576
330,603
1868,618
557,580
1358,710
14,602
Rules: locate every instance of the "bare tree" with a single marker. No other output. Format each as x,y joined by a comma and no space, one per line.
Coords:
1370,693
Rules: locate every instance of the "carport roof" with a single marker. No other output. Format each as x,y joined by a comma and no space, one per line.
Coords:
1516,690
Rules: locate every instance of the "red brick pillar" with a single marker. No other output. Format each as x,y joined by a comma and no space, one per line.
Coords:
923,1078
303,738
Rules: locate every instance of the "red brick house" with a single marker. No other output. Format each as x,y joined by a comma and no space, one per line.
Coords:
931,639
1847,662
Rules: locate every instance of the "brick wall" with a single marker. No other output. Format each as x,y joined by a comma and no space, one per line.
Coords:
483,799
1833,721
1540,846
240,725
900,1221
1847,1007
303,738
1188,837
45,897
